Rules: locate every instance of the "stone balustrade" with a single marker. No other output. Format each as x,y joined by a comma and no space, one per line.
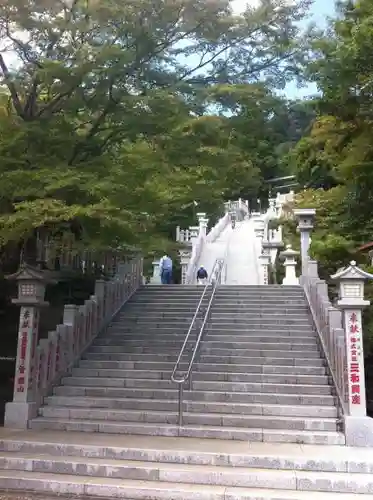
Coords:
40,364
218,228
340,331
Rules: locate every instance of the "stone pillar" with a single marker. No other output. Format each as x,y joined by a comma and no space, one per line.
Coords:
290,266
31,290
306,219
156,278
265,262
358,426
272,205
259,235
202,222
185,256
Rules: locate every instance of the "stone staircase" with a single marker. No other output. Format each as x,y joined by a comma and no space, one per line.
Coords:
259,379
259,376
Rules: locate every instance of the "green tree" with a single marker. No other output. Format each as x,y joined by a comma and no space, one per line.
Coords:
99,90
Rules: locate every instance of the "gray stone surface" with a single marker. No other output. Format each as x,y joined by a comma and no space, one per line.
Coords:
260,421
258,371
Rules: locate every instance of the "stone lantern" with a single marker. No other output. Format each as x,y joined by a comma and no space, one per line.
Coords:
31,291
306,221
156,278
289,255
358,426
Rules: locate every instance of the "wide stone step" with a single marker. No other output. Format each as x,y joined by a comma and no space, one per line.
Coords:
250,307
211,396
193,406
190,451
198,385
86,486
280,330
207,432
191,474
221,297
172,352
205,349
260,294
202,419
256,298
234,302
144,337
232,330
292,360
145,320
237,322
203,376
163,344
200,367
174,296
216,312
269,323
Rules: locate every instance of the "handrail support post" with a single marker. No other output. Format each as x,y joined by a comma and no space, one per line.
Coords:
181,398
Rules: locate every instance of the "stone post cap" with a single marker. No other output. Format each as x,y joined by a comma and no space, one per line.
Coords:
305,217
289,253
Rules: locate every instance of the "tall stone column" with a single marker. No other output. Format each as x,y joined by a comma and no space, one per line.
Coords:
202,222
185,256
358,426
259,235
306,219
266,260
31,290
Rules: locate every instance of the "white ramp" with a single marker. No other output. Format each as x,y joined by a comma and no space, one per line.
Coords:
238,248
215,250
242,260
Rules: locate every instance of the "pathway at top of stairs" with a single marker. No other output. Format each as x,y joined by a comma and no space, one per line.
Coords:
259,389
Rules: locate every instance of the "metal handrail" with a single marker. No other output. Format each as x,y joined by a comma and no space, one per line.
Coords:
214,280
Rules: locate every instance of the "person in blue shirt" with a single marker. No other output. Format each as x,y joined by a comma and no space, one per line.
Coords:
202,276
165,269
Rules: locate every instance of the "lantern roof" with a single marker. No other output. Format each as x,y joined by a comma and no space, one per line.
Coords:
352,272
27,272
289,252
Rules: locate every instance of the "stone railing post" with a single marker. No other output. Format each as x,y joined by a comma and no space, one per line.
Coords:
358,426
40,365
290,266
31,290
306,219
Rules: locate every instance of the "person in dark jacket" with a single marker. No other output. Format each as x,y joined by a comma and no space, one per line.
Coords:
202,276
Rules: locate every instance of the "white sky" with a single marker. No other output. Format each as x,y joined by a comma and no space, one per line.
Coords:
239,5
